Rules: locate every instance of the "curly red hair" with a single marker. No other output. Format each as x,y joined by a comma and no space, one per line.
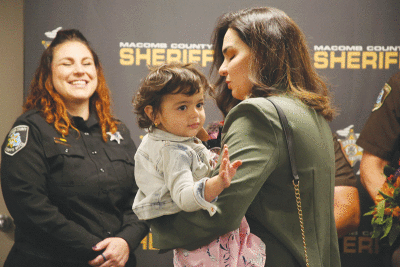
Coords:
44,98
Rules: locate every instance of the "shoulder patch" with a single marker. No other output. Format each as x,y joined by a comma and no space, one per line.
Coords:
17,139
382,96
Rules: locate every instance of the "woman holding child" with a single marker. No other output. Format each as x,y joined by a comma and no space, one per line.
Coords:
261,53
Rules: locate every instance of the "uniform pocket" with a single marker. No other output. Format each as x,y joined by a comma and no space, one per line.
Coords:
67,165
123,165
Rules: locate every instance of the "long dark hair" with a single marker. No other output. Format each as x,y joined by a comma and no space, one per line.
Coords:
43,97
280,60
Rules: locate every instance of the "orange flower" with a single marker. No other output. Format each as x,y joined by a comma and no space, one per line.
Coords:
387,190
388,211
396,212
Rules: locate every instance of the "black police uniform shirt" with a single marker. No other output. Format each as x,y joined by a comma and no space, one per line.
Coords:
380,135
66,194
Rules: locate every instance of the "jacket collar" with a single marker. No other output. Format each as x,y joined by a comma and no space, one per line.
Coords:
160,135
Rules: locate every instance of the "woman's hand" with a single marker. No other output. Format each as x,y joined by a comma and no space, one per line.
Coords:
115,254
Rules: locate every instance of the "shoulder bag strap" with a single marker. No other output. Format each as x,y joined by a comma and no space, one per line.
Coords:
296,181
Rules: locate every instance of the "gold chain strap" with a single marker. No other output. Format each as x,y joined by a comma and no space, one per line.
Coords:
299,210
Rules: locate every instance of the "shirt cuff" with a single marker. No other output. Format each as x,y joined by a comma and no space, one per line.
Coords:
198,191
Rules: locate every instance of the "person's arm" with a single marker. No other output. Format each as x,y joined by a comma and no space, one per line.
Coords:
371,173
25,190
132,229
215,185
346,209
251,137
117,249
346,199
380,137
188,195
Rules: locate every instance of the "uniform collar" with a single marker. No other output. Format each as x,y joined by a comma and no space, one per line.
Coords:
81,124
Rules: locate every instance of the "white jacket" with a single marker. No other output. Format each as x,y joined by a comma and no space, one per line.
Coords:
171,172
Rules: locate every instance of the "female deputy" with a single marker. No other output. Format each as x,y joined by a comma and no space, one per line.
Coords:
261,53
67,167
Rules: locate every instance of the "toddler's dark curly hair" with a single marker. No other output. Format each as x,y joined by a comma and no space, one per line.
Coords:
168,78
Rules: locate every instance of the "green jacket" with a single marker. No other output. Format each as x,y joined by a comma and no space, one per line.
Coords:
262,188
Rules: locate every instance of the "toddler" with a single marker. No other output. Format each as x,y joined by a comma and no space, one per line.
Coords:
172,165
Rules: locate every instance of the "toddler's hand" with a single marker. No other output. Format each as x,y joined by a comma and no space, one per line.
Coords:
227,169
215,185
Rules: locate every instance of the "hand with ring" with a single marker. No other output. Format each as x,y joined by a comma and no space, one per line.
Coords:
115,254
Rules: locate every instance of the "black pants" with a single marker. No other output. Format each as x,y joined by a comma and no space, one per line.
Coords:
18,258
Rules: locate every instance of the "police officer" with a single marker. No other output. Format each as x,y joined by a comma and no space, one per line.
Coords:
380,137
68,167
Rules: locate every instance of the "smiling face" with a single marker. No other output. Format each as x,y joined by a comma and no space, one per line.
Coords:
74,73
236,65
181,114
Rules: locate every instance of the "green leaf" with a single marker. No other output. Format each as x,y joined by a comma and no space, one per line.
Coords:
380,208
394,233
380,212
387,226
377,220
377,230
369,213
386,197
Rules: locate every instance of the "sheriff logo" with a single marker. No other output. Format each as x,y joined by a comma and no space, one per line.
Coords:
353,151
17,139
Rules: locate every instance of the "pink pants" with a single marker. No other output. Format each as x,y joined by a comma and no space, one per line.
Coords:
236,248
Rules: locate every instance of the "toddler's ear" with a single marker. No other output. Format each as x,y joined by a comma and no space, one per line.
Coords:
203,135
149,112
